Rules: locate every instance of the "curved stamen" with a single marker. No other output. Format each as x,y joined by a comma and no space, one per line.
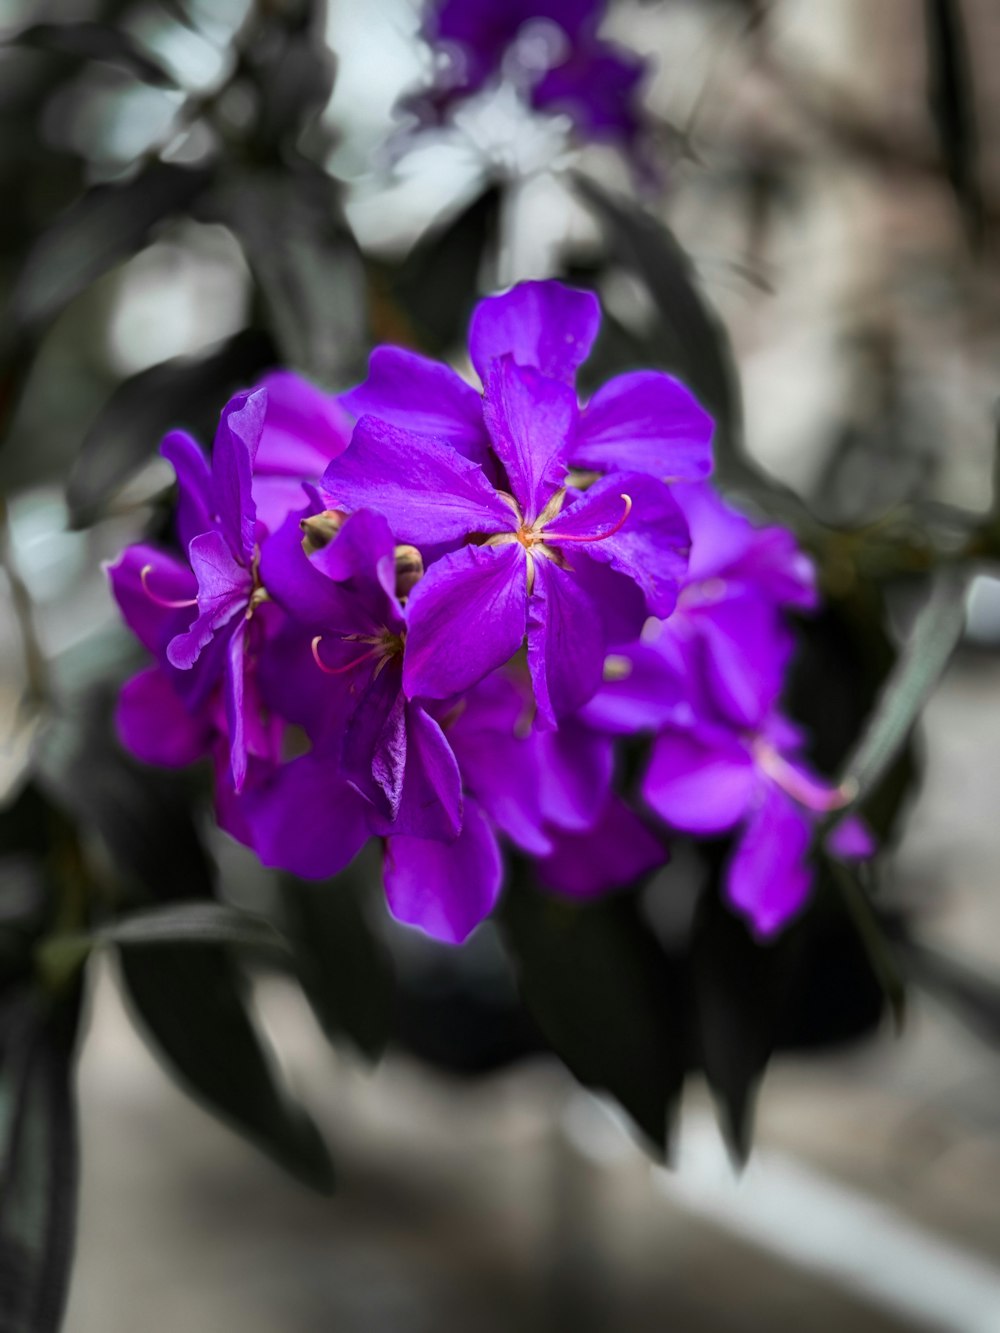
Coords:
348,666
799,786
598,536
144,574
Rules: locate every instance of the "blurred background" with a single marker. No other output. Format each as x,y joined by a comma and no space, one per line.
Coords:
196,190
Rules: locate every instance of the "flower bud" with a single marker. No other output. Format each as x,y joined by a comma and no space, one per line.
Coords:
319,530
409,569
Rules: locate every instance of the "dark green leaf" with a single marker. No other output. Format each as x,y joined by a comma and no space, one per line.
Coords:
306,266
194,923
438,284
951,96
96,41
741,987
605,996
177,393
38,1161
192,1008
142,815
689,338
935,636
344,969
109,223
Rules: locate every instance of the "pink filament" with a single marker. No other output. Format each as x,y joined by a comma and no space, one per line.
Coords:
598,536
813,795
162,601
341,670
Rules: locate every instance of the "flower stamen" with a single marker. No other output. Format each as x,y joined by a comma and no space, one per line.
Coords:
597,536
171,605
347,666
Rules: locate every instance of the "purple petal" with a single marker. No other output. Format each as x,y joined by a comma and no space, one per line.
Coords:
307,820
576,769
304,428
611,855
294,688
540,324
421,396
643,690
768,879
651,545
431,806
621,603
195,503
142,603
565,643
445,888
374,751
467,616
597,87
233,454
363,554
747,648
156,725
500,764
699,785
644,422
776,566
425,489
529,419
223,591
852,840
235,695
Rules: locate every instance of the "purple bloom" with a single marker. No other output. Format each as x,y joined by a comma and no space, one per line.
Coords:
520,551
549,49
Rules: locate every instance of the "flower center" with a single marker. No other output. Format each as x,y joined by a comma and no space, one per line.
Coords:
383,647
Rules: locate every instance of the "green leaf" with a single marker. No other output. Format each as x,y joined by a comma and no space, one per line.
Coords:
740,992
689,339
96,41
305,264
344,969
605,996
38,1161
935,636
142,815
177,393
104,226
191,1005
951,98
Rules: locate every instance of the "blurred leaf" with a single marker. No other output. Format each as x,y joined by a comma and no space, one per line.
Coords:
344,969
177,393
934,638
177,923
605,996
293,68
104,226
741,988
38,1161
306,266
96,41
951,97
438,283
689,339
971,995
191,1005
142,815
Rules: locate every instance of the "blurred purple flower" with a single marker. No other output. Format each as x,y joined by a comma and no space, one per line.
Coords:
550,51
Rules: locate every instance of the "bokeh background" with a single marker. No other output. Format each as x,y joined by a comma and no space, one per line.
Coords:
840,210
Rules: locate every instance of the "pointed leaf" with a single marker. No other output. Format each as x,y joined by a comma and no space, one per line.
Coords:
605,996
191,1006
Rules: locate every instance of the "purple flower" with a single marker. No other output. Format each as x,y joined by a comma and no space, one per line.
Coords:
520,551
550,51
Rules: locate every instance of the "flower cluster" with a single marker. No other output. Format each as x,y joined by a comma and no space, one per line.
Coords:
549,51
432,615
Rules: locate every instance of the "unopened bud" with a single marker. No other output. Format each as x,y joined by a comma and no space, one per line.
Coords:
319,530
409,569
